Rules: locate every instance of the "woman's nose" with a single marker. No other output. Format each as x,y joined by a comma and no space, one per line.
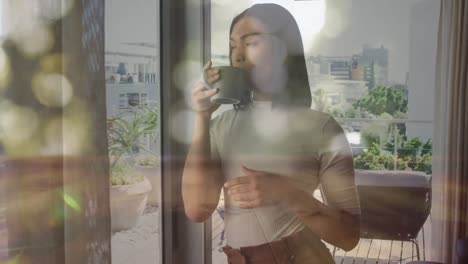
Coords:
238,55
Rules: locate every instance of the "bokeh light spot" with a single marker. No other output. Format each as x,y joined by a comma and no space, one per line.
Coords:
33,39
52,90
71,201
270,124
17,123
56,9
354,137
68,134
4,70
182,123
186,74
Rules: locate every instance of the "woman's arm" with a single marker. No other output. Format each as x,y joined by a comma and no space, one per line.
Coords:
336,227
339,191
201,180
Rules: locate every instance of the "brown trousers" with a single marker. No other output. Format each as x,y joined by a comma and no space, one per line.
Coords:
299,248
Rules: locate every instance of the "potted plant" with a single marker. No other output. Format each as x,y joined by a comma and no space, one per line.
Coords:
128,196
129,187
148,166
148,163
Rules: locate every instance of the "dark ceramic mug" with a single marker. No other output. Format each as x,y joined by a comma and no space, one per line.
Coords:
233,84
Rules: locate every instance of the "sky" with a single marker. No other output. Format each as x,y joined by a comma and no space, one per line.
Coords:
131,21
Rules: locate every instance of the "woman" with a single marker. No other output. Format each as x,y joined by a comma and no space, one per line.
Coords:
270,153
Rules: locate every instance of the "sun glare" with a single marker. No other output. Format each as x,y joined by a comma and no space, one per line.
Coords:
310,16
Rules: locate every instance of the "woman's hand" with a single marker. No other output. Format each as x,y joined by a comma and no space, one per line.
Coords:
201,95
259,188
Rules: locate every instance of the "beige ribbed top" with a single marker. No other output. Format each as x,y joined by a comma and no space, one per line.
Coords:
305,144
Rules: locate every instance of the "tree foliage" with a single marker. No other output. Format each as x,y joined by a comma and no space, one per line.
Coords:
412,154
125,133
381,100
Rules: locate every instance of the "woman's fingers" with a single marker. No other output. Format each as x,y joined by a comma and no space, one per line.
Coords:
212,79
201,92
207,65
200,86
200,99
211,76
237,181
243,197
248,203
206,93
242,188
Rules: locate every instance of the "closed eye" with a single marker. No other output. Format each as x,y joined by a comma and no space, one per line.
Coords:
252,44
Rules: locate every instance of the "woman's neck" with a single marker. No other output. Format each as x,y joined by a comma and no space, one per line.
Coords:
266,86
259,96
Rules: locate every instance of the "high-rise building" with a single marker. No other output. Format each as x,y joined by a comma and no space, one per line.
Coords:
374,55
373,62
338,67
357,71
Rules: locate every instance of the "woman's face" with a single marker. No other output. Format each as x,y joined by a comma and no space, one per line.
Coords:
255,49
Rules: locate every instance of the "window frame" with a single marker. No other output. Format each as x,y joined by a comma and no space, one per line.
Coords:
180,21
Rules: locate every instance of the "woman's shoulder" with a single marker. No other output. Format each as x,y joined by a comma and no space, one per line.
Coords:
314,116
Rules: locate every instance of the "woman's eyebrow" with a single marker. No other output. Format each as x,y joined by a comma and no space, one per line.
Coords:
249,35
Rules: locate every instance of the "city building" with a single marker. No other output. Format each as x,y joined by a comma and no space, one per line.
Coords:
338,67
131,76
357,71
334,90
371,65
131,81
374,55
135,60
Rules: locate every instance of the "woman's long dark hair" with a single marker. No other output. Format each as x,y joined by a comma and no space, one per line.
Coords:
282,24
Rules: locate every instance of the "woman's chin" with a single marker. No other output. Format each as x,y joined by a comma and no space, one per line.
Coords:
270,86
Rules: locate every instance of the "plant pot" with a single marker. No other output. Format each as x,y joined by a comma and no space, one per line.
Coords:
153,174
127,204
